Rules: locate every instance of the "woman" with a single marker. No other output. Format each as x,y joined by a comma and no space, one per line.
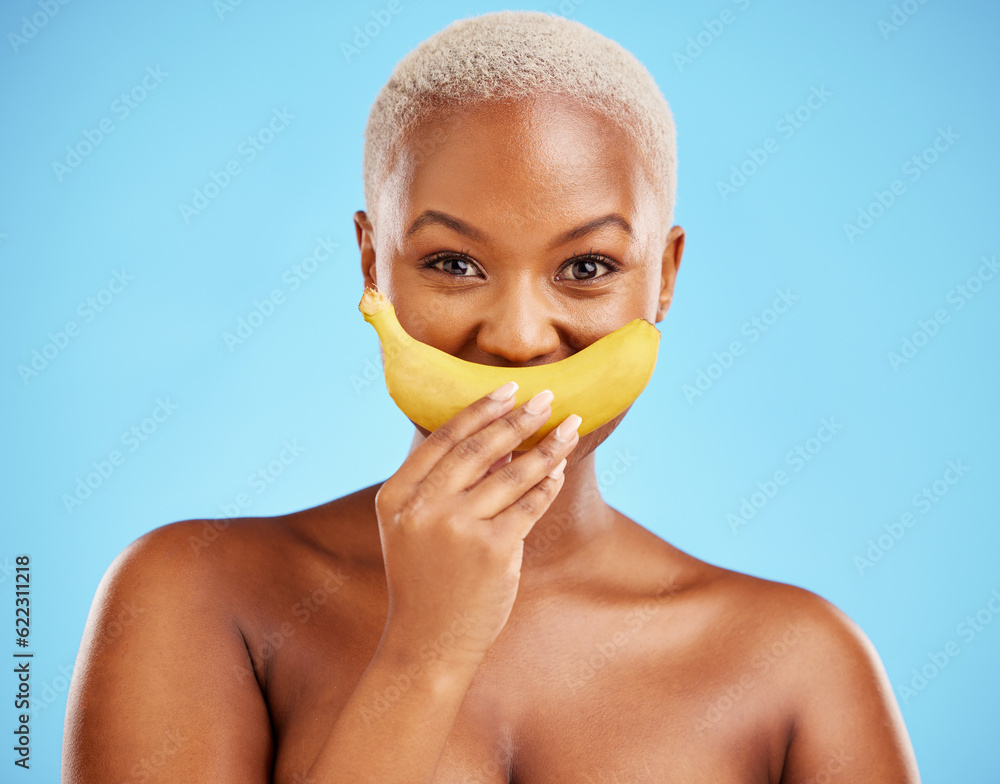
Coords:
482,615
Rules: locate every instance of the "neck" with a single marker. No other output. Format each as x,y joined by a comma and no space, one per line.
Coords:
576,518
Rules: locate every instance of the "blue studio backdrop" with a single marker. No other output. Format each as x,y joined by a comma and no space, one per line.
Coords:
181,335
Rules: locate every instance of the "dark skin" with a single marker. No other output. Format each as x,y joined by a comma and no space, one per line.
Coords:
506,626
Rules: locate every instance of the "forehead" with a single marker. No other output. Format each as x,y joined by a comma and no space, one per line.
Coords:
544,159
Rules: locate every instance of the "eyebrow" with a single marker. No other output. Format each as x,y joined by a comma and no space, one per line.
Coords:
429,217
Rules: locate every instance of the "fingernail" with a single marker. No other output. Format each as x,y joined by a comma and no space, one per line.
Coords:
504,392
557,470
499,463
539,402
565,431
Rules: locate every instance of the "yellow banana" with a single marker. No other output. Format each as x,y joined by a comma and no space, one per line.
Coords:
430,386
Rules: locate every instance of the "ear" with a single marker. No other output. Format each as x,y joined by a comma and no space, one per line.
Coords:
671,262
366,243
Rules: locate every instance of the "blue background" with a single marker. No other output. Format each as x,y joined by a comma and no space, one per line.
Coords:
310,371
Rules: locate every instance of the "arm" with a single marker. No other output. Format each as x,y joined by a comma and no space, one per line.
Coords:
153,696
846,720
398,719
452,543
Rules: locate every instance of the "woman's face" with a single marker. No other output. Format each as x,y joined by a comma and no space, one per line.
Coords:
517,234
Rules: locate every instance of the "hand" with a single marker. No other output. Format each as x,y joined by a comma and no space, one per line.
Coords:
453,534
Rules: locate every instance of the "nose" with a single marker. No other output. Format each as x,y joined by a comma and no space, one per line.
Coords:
517,329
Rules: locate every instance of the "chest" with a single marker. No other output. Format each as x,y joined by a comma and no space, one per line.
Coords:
606,695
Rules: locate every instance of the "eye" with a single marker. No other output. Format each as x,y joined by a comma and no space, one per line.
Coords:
583,268
586,268
457,265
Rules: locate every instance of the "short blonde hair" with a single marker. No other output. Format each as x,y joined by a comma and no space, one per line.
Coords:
513,54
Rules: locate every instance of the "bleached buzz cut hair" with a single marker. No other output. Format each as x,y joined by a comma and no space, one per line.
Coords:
515,54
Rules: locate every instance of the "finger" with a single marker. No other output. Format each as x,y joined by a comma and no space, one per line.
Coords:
469,420
469,459
506,486
520,517
498,464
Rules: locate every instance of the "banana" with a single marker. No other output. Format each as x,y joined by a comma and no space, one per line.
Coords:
430,386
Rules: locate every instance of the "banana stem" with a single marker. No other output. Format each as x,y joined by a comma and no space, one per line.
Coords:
373,301
380,313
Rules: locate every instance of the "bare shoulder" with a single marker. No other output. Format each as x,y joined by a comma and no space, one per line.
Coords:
176,561
741,612
239,552
135,695
176,578
821,632
826,687
169,668
796,632
753,622
236,566
192,558
773,604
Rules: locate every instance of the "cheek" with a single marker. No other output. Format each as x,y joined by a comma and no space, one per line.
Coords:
445,322
429,321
